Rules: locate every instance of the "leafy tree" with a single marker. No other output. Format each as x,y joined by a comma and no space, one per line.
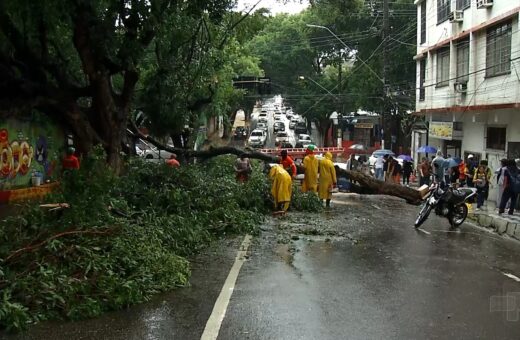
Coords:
81,61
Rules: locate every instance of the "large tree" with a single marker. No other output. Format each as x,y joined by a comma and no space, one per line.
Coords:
80,61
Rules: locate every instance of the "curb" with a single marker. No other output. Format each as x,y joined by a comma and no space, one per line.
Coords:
500,225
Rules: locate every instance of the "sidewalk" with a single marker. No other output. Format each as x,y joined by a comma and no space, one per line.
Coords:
501,224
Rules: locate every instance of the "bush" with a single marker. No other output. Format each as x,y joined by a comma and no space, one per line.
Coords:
123,238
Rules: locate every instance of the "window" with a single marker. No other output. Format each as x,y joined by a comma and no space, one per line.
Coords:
422,75
496,138
463,61
443,10
443,66
498,50
423,22
463,4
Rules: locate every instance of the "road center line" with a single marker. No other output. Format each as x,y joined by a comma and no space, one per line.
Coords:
511,276
424,231
219,309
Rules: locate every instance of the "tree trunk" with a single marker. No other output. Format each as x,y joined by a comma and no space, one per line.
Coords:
370,185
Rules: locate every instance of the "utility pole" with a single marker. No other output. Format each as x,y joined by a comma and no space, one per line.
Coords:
340,104
385,72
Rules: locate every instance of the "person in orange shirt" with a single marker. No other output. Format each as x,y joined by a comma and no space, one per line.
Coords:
288,164
173,162
70,162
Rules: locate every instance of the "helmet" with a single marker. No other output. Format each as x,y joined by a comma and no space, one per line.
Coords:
311,147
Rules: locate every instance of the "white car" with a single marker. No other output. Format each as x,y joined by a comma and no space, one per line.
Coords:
262,126
152,153
304,140
293,123
257,138
380,153
281,136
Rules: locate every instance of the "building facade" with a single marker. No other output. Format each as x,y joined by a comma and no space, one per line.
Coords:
468,77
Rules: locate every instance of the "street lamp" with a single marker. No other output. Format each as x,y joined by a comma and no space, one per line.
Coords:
348,48
315,82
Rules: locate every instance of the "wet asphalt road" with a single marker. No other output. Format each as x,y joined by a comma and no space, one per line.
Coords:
357,271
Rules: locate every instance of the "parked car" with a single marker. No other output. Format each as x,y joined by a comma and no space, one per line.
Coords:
152,153
257,138
240,132
281,136
278,126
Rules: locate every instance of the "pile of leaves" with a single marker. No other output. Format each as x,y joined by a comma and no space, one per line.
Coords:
123,238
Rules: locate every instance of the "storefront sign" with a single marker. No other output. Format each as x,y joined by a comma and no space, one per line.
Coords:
364,126
441,130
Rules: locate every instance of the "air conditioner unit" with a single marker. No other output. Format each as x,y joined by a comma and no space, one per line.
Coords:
461,87
456,16
484,3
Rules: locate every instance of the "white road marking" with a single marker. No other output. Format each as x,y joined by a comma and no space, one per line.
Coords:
219,309
511,276
424,231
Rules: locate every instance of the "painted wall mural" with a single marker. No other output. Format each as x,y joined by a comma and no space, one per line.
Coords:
28,145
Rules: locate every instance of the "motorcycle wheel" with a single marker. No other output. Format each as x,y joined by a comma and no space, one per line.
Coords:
458,215
423,214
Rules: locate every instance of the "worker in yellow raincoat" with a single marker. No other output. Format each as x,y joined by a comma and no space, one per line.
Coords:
281,188
327,178
310,164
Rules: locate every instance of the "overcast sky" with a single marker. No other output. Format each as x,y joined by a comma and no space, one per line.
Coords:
275,6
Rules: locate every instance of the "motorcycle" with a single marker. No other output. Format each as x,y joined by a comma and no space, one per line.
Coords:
446,201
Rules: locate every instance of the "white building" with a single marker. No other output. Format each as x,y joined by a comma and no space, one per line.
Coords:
468,77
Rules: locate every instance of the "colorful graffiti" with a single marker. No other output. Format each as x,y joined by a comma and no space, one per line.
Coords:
26,146
15,157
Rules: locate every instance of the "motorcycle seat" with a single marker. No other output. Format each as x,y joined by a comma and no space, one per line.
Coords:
465,191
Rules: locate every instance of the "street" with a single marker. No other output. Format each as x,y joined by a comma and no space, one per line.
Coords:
357,271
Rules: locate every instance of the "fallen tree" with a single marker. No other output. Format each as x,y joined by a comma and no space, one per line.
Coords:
370,185
364,184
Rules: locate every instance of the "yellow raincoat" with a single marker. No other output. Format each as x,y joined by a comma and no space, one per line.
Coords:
310,180
327,177
282,186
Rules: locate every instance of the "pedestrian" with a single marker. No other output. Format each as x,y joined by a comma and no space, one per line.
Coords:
288,163
438,167
511,187
385,167
407,172
424,170
480,181
393,171
173,162
454,174
378,166
471,166
489,173
242,168
281,188
327,179
70,161
352,163
310,166
462,174
500,179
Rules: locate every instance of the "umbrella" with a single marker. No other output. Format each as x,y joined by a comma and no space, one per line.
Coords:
405,158
427,149
357,147
450,163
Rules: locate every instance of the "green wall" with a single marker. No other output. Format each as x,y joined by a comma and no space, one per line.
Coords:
28,144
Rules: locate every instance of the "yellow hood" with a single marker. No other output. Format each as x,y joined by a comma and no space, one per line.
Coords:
328,156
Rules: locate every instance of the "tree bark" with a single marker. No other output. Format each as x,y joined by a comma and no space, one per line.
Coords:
370,185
